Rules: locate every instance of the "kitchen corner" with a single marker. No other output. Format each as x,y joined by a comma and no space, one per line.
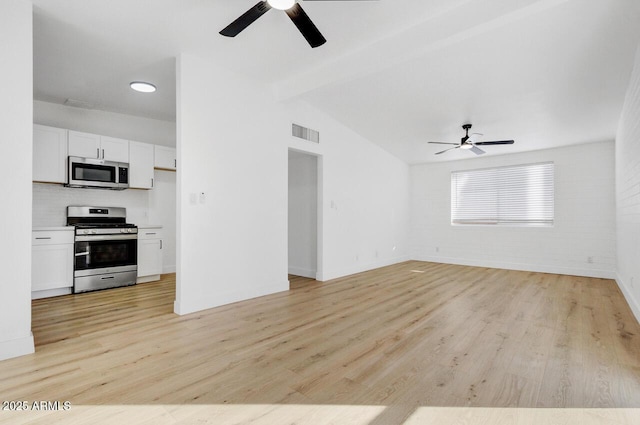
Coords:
98,249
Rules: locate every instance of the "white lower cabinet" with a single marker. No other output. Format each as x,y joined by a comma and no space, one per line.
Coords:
52,263
149,254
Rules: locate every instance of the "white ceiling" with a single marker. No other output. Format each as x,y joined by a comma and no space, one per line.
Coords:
543,72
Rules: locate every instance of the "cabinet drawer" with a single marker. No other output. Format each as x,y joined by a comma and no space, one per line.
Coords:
51,237
149,234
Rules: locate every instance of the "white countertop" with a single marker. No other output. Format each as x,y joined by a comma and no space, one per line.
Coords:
70,228
53,228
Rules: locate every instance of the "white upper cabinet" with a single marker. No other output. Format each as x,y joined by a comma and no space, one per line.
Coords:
49,154
140,165
113,149
85,145
89,145
165,157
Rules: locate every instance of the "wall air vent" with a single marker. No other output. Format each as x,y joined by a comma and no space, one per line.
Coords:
305,133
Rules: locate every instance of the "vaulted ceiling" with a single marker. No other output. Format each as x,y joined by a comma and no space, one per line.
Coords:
543,72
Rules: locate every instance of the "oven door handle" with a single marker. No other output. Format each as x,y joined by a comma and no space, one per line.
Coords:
80,254
106,238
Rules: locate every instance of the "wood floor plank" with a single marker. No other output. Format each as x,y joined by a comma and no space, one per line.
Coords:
409,335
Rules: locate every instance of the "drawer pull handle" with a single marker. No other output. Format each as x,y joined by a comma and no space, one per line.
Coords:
108,277
149,233
43,238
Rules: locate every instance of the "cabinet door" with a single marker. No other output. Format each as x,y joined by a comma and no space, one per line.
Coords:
165,157
140,165
113,149
85,145
149,257
49,154
51,267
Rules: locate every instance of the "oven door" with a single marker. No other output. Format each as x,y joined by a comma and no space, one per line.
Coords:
105,251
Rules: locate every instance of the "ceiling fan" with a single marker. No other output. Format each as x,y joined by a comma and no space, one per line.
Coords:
471,142
291,7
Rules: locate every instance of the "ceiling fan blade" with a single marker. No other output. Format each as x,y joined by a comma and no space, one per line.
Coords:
477,151
495,142
444,143
249,17
438,153
474,138
305,26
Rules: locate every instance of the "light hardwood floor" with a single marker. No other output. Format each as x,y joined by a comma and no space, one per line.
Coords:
409,335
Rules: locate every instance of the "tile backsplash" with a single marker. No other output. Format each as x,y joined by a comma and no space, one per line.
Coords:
50,203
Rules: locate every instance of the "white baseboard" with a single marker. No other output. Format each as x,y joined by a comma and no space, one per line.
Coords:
182,307
17,347
572,271
151,278
359,268
633,303
299,271
168,269
36,295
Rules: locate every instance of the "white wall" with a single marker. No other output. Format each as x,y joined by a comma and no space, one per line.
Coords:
111,124
232,189
16,110
156,206
364,193
628,194
303,214
233,140
584,217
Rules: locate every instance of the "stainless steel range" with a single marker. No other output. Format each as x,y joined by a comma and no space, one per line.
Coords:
105,248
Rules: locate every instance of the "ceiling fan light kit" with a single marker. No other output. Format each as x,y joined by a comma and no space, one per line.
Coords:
291,7
281,4
471,142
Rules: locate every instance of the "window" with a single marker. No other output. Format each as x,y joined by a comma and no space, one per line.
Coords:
520,195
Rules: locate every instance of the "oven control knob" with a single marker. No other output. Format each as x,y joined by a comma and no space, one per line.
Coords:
94,231
85,231
130,230
123,230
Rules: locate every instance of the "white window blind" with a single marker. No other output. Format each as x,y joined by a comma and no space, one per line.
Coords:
521,195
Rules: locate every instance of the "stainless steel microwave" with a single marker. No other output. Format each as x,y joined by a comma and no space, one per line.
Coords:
97,173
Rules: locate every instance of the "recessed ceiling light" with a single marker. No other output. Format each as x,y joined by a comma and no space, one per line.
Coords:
142,86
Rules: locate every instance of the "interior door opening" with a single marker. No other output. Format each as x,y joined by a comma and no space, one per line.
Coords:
303,260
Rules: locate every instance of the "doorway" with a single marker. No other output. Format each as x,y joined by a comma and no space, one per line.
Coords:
304,215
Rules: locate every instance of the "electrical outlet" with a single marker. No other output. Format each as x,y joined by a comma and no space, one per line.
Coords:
590,260
437,249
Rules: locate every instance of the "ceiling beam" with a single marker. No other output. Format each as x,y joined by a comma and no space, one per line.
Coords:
469,20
